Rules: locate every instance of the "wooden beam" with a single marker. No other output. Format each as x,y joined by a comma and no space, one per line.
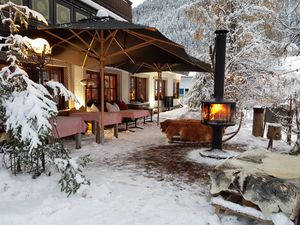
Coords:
122,49
88,45
67,39
86,55
135,47
76,47
146,38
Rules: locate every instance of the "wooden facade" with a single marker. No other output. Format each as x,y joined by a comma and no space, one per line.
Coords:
65,11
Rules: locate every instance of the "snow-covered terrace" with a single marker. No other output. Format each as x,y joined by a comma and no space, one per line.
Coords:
125,191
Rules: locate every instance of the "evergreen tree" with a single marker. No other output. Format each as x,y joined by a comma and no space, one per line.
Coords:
201,90
28,110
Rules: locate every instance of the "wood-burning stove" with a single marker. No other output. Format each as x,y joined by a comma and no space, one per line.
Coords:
218,112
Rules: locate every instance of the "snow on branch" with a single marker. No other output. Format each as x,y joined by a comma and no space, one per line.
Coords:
28,113
60,89
22,13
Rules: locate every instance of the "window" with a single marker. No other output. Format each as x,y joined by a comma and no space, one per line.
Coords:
50,73
42,6
56,74
92,94
92,91
176,89
79,16
63,14
17,2
110,83
138,89
161,89
181,92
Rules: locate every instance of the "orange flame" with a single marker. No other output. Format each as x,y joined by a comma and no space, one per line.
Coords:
219,112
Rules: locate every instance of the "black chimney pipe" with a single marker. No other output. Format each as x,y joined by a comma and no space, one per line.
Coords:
220,48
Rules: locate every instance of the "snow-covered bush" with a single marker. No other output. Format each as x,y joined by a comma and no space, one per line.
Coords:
201,90
27,109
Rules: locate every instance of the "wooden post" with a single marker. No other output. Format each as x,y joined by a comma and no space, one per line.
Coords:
98,134
158,95
78,140
274,133
51,140
258,122
102,101
290,121
116,130
94,126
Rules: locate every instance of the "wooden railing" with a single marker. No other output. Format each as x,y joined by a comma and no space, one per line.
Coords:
120,7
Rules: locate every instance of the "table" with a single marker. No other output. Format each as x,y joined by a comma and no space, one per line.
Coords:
144,106
66,126
110,118
150,109
134,114
138,105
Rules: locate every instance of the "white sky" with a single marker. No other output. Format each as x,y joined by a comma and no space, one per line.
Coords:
136,2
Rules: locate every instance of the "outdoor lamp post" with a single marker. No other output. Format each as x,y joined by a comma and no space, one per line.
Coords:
41,49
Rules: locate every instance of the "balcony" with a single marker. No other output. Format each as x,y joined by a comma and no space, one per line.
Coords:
120,7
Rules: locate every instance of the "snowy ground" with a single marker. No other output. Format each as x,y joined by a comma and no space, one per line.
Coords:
120,193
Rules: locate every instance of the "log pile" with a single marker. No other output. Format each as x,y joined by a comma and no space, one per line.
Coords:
267,181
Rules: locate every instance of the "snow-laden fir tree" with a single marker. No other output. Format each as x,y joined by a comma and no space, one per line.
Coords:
290,21
254,42
289,83
28,111
201,90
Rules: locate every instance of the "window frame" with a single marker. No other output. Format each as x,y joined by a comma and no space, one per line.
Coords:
58,2
162,89
176,85
97,88
138,86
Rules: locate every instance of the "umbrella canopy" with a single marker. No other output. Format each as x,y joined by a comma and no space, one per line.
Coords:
110,40
100,42
193,64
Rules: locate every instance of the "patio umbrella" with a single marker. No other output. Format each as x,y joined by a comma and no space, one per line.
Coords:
192,65
100,42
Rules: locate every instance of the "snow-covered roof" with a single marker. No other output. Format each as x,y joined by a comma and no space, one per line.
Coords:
102,11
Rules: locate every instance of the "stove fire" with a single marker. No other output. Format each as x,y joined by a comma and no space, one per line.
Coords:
218,113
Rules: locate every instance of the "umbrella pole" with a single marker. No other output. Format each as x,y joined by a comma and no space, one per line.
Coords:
102,100
158,95
101,67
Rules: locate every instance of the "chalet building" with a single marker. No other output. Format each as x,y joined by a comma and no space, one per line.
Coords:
136,89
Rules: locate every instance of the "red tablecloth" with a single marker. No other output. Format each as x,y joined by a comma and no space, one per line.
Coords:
66,126
134,113
110,118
